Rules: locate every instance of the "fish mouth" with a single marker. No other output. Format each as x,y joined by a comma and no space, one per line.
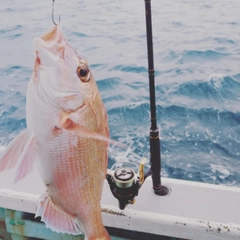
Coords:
56,34
50,47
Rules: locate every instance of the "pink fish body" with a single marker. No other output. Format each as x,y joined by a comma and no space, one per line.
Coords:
67,136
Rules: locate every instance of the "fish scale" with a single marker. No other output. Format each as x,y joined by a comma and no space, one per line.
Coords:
80,169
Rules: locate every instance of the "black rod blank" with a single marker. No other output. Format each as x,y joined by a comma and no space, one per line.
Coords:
155,153
155,158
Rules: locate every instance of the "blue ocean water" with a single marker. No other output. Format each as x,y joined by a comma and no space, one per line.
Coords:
196,53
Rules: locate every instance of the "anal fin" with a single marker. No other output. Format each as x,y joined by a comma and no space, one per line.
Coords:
56,219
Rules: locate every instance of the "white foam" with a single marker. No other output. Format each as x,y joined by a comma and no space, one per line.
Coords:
216,79
221,169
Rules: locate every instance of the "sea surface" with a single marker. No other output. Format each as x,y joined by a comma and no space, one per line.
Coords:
197,63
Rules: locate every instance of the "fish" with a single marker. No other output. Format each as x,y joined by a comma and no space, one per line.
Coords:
67,137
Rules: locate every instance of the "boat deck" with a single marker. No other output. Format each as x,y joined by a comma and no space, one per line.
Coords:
191,211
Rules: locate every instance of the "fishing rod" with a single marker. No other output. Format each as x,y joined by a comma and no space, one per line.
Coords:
155,152
123,179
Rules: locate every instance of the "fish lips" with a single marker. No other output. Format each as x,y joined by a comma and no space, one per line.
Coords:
45,52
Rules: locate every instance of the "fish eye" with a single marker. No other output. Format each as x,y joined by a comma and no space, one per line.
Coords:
83,73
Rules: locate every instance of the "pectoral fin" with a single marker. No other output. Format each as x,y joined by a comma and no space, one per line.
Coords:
10,156
81,131
26,160
19,152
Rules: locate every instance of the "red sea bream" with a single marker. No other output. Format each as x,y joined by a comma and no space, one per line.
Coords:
67,137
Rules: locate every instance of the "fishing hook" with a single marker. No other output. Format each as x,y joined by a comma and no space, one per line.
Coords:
53,14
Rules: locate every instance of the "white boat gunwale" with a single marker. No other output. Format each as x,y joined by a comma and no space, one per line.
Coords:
190,211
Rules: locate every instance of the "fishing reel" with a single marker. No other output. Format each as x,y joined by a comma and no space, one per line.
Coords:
125,179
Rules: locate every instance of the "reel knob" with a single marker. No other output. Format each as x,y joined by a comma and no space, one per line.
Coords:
124,177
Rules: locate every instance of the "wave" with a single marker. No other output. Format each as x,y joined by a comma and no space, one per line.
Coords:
220,92
197,108
12,33
224,40
194,55
132,69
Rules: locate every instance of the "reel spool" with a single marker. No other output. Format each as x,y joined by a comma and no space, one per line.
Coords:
125,180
